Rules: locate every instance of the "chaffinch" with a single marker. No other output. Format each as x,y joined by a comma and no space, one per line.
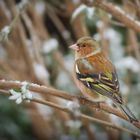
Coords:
95,74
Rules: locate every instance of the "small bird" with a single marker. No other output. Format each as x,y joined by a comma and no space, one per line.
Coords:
95,74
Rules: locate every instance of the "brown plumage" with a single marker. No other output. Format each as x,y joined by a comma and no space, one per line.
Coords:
96,75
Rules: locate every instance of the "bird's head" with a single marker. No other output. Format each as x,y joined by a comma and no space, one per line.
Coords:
85,46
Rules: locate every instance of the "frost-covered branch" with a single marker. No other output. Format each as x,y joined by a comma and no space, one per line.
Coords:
64,95
118,13
80,115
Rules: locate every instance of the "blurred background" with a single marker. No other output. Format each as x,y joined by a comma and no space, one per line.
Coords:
36,50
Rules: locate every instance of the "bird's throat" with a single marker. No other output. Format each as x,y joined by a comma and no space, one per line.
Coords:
93,53
77,56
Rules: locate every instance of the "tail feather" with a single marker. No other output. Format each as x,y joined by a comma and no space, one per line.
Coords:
128,113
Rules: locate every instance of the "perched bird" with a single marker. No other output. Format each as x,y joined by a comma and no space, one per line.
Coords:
95,74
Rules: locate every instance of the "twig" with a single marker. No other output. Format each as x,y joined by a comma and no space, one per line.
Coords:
64,95
120,14
8,29
82,116
58,24
58,58
85,117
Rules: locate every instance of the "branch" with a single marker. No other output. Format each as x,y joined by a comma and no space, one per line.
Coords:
117,12
4,33
64,95
82,116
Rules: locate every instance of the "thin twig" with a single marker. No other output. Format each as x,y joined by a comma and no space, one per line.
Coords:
85,117
64,95
82,116
118,13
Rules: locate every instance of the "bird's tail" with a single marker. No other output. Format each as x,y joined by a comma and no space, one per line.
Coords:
128,113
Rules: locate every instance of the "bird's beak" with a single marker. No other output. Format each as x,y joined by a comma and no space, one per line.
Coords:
74,47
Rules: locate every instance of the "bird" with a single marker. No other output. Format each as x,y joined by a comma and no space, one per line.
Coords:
95,74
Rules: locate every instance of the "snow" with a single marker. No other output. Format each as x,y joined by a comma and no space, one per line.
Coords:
74,106
115,41
90,12
6,30
128,63
97,37
99,24
22,5
74,124
69,62
78,10
124,88
40,7
50,45
62,79
24,94
40,71
119,9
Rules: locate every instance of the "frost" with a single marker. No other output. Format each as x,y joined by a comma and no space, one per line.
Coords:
74,124
99,24
6,29
34,84
24,83
128,63
130,17
16,81
15,95
127,15
119,9
40,71
24,94
83,8
109,16
109,34
4,33
78,10
50,45
138,23
21,6
74,106
40,7
97,37
90,12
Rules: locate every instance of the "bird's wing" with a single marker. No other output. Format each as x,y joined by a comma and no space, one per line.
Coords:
102,82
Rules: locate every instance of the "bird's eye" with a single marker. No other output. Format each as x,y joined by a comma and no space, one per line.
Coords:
78,44
83,45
